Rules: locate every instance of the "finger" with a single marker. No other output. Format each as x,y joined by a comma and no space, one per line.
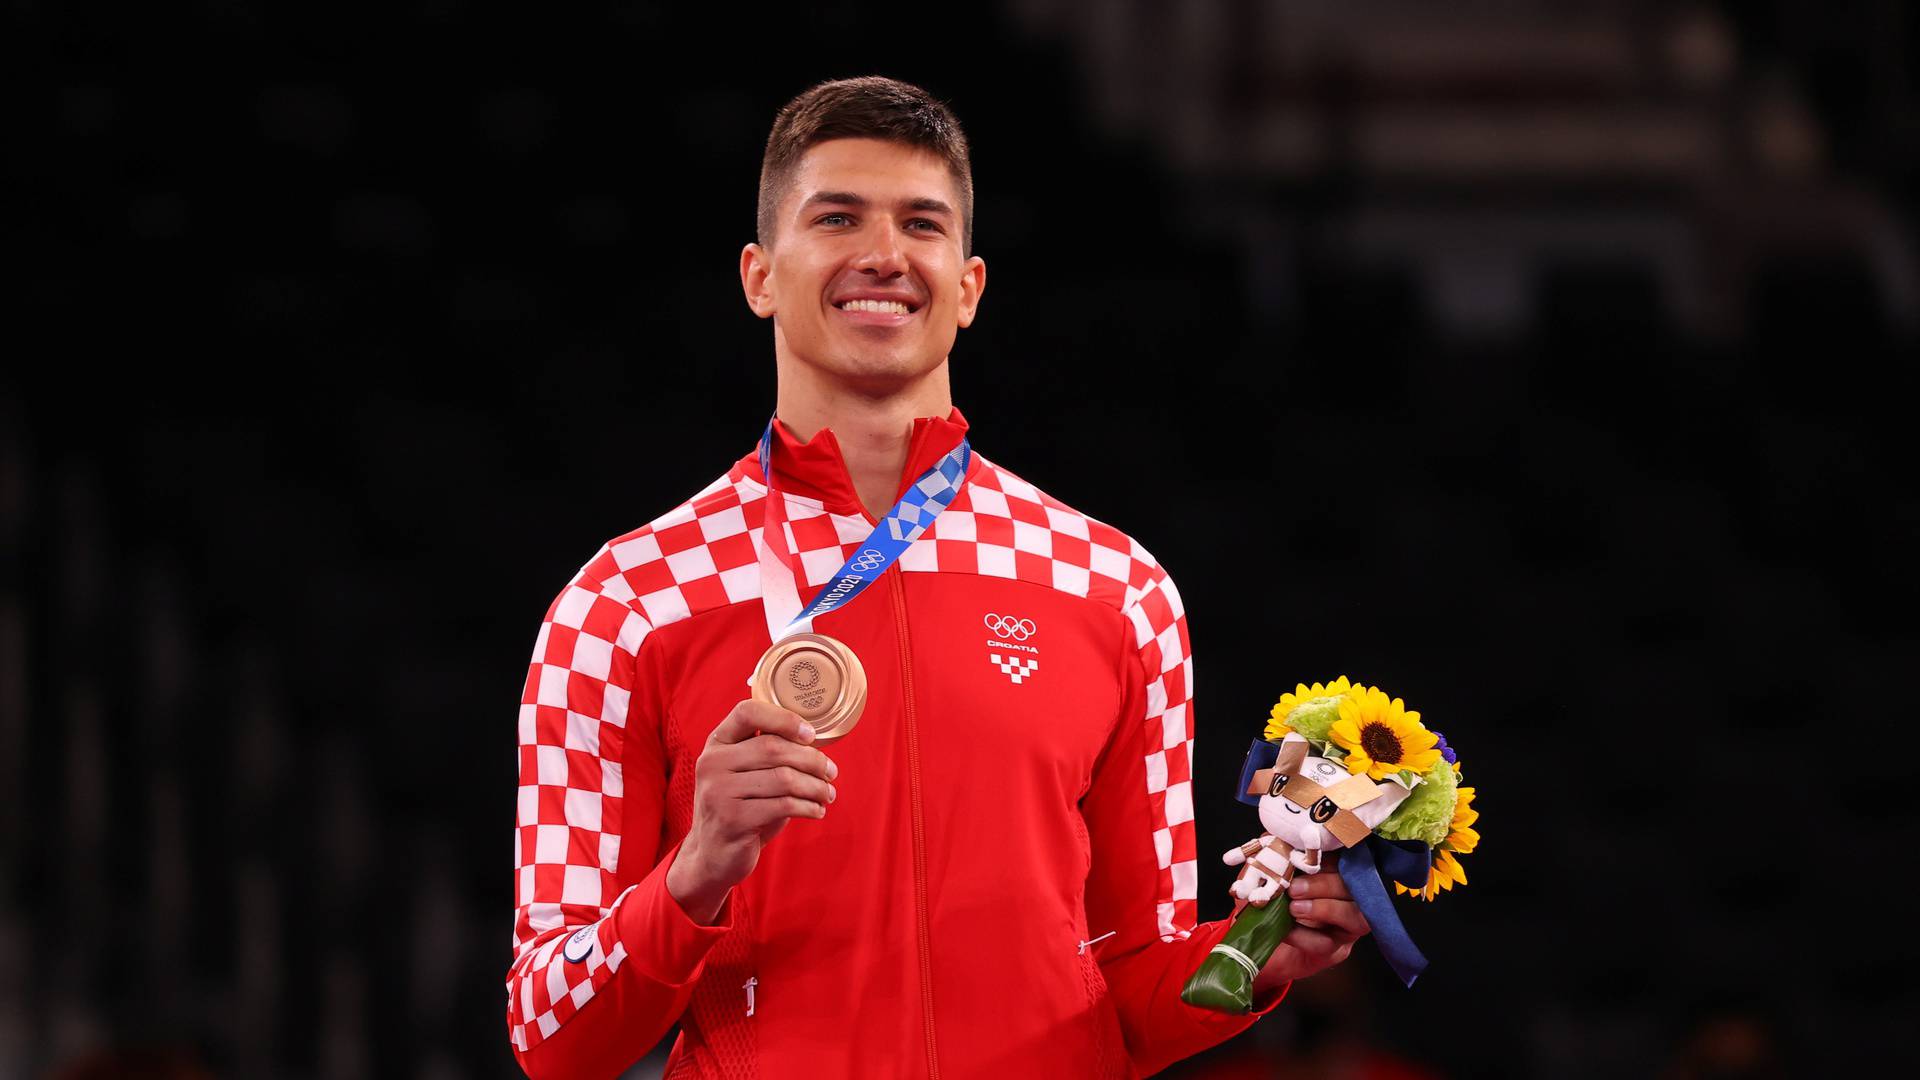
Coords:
759,813
1320,886
751,718
1317,945
1341,917
768,751
780,780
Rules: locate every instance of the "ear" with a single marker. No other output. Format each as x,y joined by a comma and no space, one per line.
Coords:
756,272
1262,779
1259,756
1293,753
973,282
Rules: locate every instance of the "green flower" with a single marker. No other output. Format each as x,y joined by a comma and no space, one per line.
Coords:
1427,812
1312,718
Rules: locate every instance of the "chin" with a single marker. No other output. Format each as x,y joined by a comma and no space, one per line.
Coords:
880,366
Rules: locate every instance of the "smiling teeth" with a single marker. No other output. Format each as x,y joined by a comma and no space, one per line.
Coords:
886,307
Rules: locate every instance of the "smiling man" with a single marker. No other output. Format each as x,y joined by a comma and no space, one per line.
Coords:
994,873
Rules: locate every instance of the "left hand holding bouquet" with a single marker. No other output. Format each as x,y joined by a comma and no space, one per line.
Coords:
1326,923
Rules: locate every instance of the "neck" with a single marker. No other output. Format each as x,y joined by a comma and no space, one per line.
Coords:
872,424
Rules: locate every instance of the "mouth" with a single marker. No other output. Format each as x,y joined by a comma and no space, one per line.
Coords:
1291,809
877,312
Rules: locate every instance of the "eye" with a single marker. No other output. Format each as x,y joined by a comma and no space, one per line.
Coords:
924,221
825,218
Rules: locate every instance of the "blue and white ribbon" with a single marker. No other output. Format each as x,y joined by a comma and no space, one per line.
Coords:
890,538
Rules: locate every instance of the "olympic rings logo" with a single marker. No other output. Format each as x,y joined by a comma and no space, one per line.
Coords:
1017,629
867,560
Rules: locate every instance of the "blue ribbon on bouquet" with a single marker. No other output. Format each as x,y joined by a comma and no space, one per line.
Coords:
1366,869
893,534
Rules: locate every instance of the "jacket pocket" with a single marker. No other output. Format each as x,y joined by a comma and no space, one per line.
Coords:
1109,1046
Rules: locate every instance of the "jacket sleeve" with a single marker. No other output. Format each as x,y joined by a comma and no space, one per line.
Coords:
1139,812
599,973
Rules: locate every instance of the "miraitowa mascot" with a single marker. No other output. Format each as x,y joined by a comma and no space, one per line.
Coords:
1331,784
1307,805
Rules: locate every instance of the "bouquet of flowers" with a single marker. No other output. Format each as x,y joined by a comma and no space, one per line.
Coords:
1340,765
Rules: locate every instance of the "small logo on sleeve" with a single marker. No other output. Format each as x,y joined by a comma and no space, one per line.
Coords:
580,944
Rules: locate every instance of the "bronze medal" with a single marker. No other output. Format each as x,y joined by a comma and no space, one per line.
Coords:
816,678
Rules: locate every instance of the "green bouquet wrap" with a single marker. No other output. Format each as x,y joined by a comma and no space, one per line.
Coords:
1223,983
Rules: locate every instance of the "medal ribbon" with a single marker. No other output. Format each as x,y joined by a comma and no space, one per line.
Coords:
890,538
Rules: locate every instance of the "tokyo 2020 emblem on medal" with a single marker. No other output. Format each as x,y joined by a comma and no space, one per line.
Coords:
818,679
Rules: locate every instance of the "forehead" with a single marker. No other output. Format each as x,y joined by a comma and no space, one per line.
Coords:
881,171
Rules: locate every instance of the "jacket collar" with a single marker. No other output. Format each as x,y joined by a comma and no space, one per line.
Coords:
817,470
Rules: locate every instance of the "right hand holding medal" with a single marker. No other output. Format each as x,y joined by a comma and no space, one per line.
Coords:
757,770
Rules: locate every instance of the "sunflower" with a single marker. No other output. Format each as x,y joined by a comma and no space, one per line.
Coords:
1446,870
1461,838
1380,736
1277,728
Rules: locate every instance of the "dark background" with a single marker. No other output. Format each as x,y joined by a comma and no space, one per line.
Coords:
1549,369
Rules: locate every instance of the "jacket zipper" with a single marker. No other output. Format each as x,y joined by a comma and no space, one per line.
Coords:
919,826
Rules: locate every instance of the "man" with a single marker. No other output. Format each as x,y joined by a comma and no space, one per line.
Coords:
994,872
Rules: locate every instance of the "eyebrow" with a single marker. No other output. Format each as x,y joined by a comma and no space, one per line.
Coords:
848,198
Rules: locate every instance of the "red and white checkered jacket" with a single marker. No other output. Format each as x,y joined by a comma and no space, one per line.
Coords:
1005,884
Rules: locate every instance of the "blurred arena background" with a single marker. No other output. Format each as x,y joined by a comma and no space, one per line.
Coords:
1545,363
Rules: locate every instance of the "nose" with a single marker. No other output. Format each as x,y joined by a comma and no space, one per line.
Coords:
883,257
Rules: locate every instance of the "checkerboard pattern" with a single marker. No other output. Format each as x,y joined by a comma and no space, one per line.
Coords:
702,556
1016,668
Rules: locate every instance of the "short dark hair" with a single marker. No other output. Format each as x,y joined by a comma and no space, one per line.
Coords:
869,107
